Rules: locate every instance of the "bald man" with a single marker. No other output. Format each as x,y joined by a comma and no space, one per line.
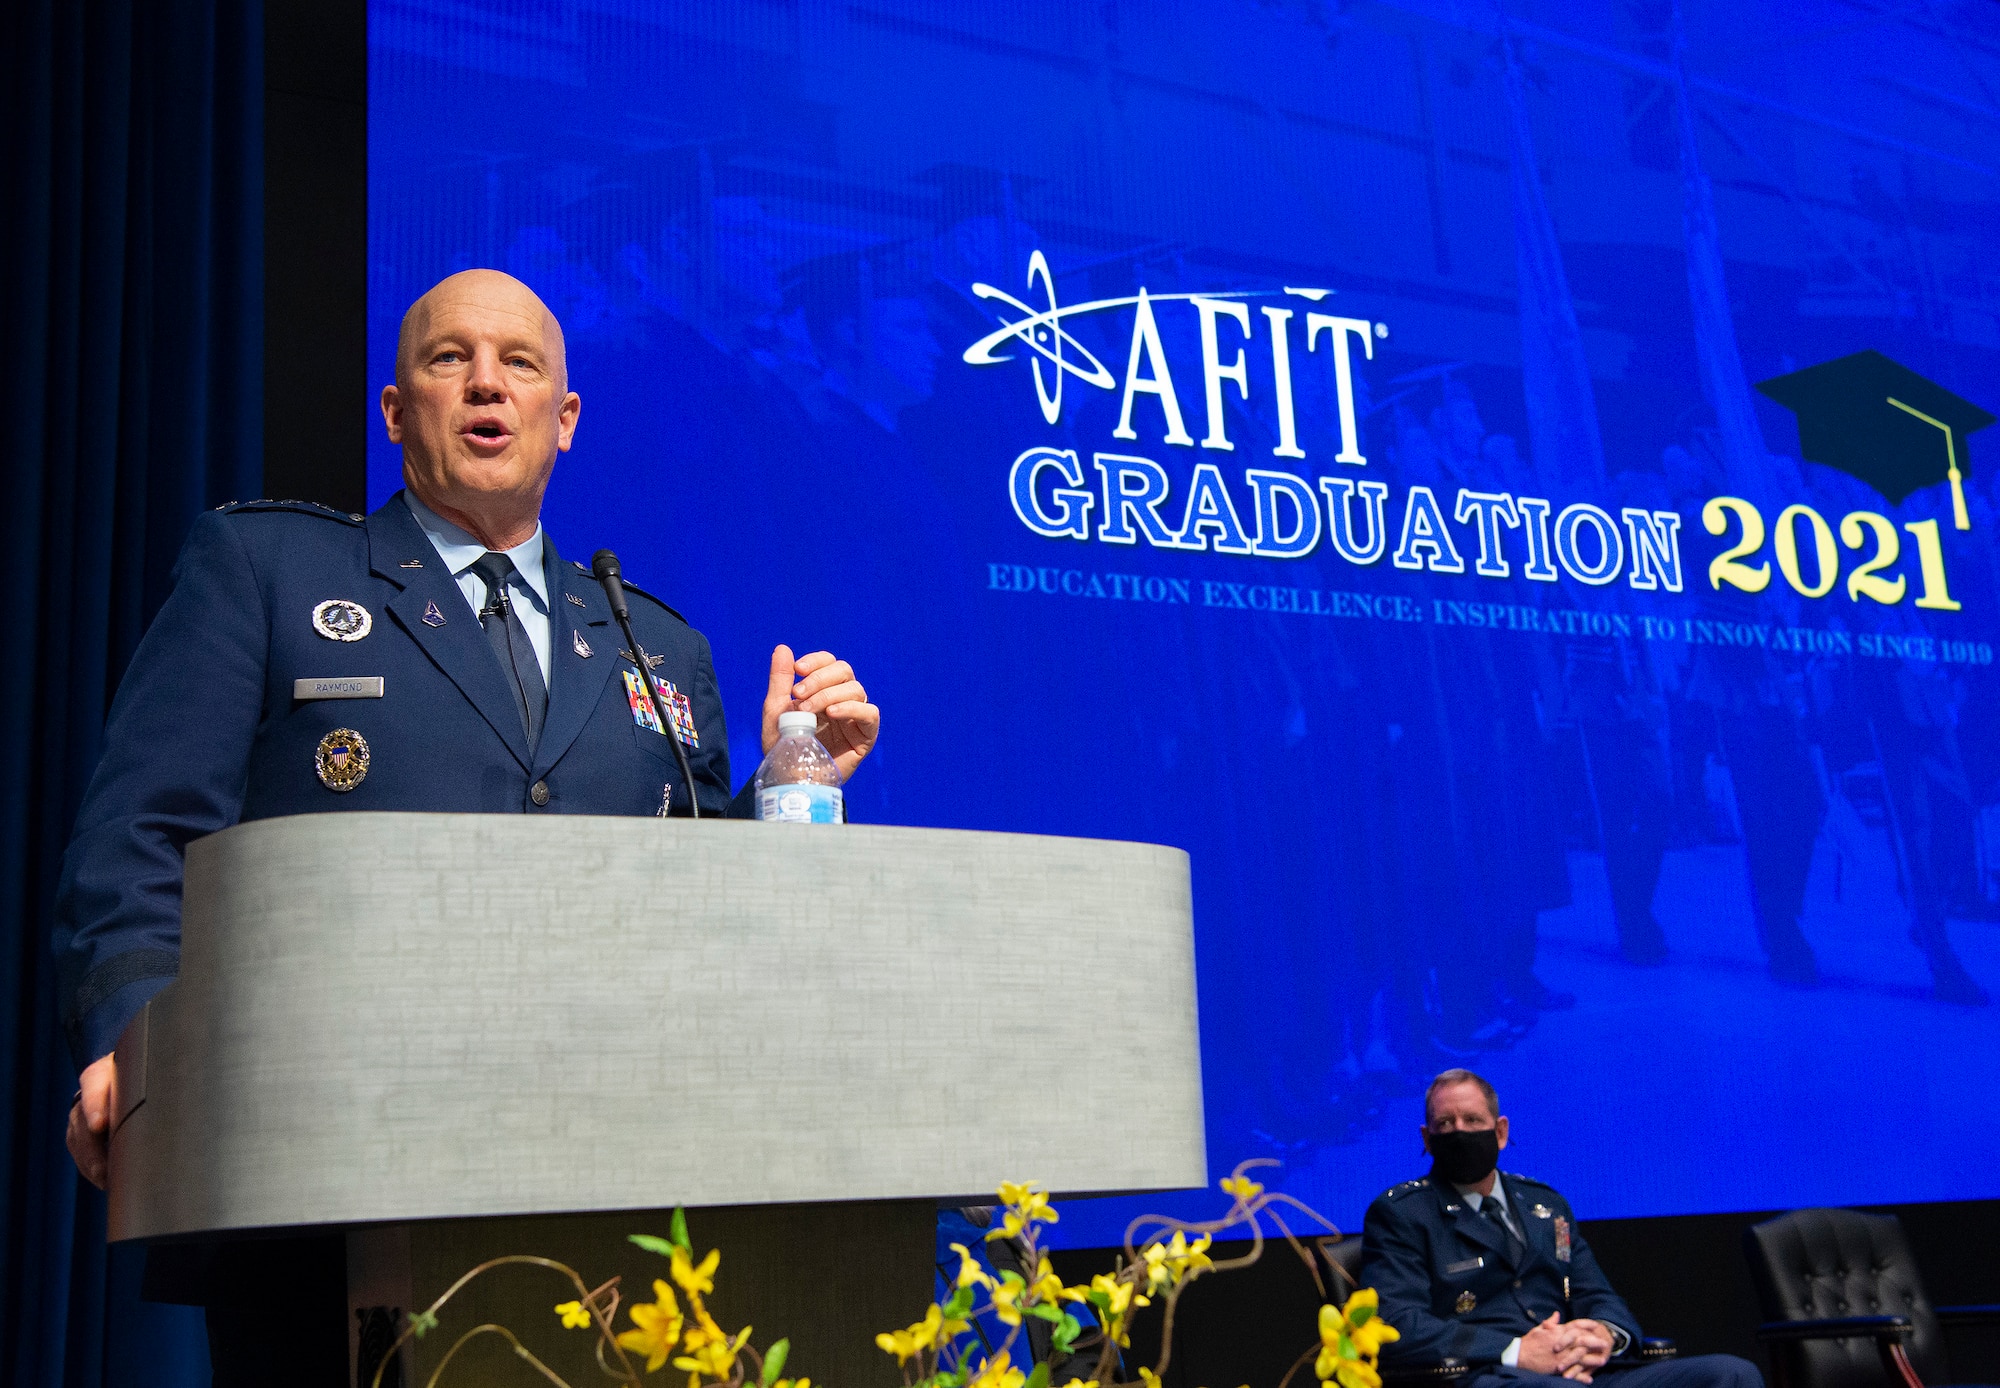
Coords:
436,655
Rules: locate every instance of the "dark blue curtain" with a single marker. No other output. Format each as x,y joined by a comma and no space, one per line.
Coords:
131,292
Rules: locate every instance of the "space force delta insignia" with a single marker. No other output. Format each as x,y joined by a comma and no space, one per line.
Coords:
341,759
337,619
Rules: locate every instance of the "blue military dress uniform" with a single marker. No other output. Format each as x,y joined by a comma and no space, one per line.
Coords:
1450,1282
1455,1284
206,730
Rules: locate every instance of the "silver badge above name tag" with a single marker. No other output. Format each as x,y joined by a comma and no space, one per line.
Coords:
1469,1265
349,687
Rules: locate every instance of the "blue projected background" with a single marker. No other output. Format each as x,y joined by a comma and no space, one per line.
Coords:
1004,348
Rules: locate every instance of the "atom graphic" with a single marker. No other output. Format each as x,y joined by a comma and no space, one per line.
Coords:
1042,332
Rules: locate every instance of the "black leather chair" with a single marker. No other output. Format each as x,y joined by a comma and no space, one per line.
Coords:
1844,1304
1345,1256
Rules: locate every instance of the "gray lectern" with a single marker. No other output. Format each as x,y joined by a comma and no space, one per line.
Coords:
461,1035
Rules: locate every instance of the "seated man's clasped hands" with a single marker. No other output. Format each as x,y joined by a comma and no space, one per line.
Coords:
1488,1267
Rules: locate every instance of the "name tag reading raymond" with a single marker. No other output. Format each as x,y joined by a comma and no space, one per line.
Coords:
350,687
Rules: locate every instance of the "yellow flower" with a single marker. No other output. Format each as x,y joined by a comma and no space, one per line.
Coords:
1007,1298
970,1274
934,1329
1188,1258
1350,1338
1148,1377
1047,1286
898,1343
694,1280
1081,1383
1025,1205
1174,1262
658,1327
996,1373
711,1352
574,1317
1242,1187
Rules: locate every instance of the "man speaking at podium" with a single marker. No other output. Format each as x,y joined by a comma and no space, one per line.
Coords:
436,655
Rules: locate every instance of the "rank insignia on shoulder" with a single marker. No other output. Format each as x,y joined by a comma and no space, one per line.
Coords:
433,617
337,619
341,759
582,646
1466,1302
1542,1211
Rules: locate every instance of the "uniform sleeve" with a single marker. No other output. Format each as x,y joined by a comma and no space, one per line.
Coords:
1396,1262
1590,1293
176,755
711,765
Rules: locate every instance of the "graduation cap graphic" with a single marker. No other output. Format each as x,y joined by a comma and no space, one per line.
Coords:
1881,422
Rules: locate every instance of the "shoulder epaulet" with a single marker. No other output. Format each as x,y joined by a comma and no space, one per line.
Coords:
304,508
632,587
1398,1192
1527,1180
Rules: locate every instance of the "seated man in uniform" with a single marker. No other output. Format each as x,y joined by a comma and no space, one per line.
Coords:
438,655
1488,1267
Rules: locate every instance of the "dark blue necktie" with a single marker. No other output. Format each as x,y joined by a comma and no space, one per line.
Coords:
1492,1209
510,643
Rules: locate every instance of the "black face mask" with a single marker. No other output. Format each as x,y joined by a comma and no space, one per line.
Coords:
1464,1157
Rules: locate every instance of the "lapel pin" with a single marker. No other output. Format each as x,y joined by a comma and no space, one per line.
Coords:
412,564
337,619
575,599
433,617
582,646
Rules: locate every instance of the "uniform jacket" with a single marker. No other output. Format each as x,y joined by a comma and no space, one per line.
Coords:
1450,1284
205,730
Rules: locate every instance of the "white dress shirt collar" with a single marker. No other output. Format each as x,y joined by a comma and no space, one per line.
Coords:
460,551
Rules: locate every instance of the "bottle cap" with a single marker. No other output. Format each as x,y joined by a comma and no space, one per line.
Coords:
797,722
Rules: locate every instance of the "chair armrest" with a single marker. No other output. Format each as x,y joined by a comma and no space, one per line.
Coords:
1967,1315
1446,1370
1652,1348
1895,1328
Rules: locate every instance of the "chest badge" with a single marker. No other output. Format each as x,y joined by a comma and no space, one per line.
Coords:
1562,1239
1542,1212
433,617
337,619
582,646
1466,1302
341,760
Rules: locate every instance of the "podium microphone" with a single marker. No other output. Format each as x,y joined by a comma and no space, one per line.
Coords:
604,568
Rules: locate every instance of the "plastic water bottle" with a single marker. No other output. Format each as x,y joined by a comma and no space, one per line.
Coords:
798,782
